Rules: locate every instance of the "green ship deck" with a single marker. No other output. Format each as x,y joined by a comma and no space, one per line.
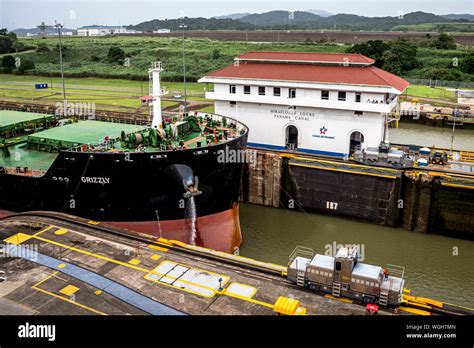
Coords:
21,157
10,117
83,132
11,121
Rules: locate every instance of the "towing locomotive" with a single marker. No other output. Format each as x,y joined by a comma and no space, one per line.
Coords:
344,276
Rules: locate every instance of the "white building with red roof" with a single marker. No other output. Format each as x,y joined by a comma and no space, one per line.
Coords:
322,103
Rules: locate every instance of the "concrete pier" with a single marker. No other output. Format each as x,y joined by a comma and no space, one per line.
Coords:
56,266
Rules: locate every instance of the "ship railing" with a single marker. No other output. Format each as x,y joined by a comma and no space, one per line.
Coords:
116,118
395,271
239,126
301,251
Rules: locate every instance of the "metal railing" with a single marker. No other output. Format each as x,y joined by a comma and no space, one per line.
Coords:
301,251
395,271
441,83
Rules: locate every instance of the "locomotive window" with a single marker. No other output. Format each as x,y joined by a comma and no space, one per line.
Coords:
338,266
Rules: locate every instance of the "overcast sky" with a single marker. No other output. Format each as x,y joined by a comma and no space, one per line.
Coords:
76,13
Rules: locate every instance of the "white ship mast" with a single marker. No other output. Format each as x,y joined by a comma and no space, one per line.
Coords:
155,92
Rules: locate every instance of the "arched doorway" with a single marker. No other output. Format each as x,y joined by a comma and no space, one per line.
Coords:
291,137
356,142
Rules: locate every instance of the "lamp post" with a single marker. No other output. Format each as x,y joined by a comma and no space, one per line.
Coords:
454,128
183,26
59,27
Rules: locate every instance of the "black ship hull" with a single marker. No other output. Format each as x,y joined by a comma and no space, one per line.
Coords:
143,192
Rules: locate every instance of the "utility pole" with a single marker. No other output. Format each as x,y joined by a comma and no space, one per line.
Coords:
183,26
59,27
454,128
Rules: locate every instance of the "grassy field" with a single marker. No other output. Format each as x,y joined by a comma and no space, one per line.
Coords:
111,94
427,92
87,57
202,55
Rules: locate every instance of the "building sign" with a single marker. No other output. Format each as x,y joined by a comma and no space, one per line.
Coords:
291,114
323,133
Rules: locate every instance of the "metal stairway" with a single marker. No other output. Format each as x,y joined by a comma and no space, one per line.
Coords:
383,299
336,289
300,277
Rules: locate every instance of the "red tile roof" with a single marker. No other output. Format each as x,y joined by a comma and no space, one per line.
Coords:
337,74
316,57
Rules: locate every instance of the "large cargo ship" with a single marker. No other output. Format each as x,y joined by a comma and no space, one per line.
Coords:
171,179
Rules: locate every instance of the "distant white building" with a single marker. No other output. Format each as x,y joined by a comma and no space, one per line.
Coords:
162,31
101,30
321,103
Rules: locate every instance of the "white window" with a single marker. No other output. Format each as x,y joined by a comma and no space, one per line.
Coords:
341,96
276,91
358,97
246,89
232,89
261,90
325,95
292,93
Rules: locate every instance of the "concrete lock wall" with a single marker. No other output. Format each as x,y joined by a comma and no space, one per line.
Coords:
415,201
261,182
431,207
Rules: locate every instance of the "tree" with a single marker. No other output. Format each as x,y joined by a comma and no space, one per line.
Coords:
6,44
467,64
447,74
401,57
115,55
444,42
26,65
8,63
9,42
216,53
42,47
373,49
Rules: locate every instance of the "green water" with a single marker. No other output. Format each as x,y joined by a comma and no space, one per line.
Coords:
432,270
418,134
